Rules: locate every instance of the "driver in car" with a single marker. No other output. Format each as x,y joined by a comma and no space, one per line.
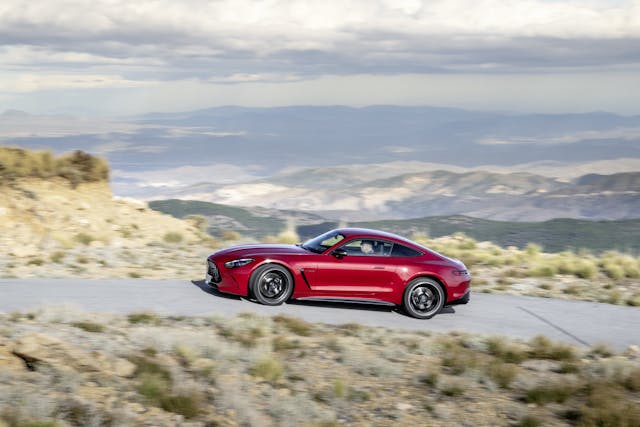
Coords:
366,247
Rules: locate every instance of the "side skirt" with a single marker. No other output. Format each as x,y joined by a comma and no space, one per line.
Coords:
348,300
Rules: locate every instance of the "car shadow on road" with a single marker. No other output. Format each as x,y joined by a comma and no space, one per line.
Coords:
213,291
328,304
361,306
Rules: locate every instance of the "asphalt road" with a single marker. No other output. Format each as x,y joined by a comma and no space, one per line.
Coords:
575,322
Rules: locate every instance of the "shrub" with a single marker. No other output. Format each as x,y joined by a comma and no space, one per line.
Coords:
452,389
57,256
37,261
543,270
632,380
143,317
173,237
76,167
282,343
634,300
533,249
297,326
230,235
543,348
608,406
457,358
89,326
529,421
502,374
547,393
187,405
268,368
585,269
84,238
430,379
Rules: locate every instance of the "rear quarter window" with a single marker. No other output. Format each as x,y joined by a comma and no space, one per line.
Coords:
404,251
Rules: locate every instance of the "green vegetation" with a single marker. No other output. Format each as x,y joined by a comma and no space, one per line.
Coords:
77,167
533,262
268,368
244,221
155,383
143,318
84,238
172,237
295,325
89,326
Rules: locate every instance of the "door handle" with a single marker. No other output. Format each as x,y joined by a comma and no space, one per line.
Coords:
378,267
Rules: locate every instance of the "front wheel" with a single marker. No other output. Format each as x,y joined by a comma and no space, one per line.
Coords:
271,284
423,298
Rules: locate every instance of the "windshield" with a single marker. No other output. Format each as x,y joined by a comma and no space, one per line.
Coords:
322,242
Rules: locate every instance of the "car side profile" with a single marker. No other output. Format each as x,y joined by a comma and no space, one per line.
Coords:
347,264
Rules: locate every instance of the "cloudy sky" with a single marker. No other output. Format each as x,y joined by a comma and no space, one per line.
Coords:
118,57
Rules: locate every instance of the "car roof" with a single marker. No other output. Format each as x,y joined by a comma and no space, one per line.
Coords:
366,232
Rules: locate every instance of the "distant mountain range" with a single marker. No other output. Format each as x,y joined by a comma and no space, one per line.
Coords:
231,144
358,193
367,163
554,235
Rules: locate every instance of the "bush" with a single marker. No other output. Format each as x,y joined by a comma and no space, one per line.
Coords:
89,326
297,326
608,406
143,317
187,405
502,374
268,368
548,393
77,167
84,238
173,237
230,235
543,348
57,256
529,421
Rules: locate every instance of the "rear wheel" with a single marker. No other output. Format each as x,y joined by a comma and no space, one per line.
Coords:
271,284
423,298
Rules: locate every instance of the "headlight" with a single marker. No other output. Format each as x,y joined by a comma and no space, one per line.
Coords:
460,273
238,262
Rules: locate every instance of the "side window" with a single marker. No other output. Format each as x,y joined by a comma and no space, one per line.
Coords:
368,247
403,251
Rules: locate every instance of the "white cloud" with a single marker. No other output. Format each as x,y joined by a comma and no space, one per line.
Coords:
85,45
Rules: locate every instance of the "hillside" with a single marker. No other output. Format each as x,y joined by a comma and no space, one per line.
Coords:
254,222
554,235
52,228
376,192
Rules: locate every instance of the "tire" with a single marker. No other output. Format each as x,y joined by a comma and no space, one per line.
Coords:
271,284
423,298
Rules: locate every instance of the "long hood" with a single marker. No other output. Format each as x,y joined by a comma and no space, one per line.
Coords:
252,250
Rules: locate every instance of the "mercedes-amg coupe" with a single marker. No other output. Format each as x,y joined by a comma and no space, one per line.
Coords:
347,264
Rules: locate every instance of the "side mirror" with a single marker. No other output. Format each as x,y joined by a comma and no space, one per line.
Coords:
339,253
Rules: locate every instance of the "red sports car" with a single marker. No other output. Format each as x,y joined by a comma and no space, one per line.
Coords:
347,264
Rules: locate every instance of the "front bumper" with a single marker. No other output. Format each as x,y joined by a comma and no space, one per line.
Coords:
463,300
225,280
213,274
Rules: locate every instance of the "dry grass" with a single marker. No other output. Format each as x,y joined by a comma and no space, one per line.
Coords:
198,368
76,167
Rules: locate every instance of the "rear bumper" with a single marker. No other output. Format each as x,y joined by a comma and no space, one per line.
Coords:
464,300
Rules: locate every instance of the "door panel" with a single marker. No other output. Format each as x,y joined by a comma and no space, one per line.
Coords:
355,274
